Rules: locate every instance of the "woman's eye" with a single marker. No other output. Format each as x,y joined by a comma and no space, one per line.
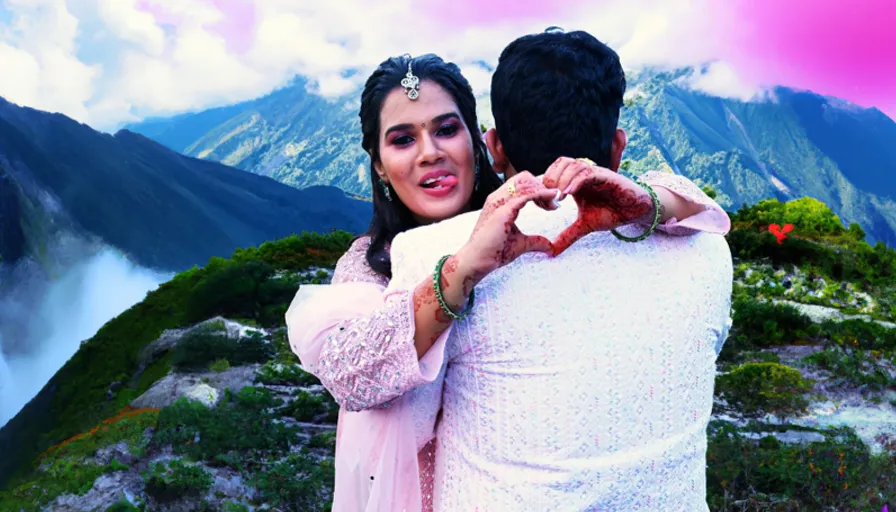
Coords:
402,140
449,129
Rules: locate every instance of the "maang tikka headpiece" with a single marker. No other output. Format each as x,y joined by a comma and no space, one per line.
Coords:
410,83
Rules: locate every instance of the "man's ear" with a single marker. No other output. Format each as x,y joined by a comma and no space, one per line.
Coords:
500,162
616,149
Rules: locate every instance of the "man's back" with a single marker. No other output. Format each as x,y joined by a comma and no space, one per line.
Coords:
585,381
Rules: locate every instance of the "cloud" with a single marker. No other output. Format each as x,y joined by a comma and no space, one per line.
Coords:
131,25
116,61
721,79
40,68
60,315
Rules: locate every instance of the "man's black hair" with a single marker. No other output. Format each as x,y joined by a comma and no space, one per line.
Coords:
557,94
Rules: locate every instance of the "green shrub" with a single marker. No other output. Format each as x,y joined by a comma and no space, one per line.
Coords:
326,440
759,324
861,334
285,374
837,474
219,366
853,367
754,389
297,484
313,408
122,505
199,349
174,480
231,289
241,422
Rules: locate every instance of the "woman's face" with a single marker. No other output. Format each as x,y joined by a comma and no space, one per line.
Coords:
426,153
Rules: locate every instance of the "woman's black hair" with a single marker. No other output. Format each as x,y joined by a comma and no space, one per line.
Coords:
392,217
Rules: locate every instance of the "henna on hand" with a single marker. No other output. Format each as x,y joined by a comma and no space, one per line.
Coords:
604,204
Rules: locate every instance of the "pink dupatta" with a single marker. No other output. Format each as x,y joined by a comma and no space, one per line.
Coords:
377,450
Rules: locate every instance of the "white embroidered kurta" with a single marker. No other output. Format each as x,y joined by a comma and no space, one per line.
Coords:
581,382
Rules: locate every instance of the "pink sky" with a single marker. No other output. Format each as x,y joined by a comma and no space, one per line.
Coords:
843,48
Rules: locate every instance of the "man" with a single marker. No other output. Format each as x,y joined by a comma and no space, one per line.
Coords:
582,381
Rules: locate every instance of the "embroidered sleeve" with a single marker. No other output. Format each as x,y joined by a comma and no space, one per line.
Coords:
366,362
711,219
353,266
366,354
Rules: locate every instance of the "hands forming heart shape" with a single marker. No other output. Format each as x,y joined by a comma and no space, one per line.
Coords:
605,199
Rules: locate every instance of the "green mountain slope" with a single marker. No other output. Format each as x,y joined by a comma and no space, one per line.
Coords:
293,136
799,145
143,416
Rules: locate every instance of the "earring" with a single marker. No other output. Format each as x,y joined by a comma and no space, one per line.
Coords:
386,190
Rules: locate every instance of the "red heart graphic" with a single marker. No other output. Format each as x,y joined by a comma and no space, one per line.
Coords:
780,234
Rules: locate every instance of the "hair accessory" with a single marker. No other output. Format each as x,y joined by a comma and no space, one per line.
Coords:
410,83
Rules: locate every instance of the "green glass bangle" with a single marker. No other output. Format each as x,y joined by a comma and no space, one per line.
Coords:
656,218
437,284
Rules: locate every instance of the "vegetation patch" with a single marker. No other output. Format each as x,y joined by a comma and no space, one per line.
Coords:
298,483
319,408
837,474
204,433
198,350
759,324
867,369
174,480
285,374
77,392
65,468
755,389
324,440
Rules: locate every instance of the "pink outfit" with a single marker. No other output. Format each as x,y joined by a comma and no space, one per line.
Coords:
360,344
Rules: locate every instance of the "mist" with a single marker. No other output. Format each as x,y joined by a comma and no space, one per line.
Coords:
49,319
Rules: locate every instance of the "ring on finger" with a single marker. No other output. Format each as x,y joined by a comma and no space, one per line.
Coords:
587,161
511,188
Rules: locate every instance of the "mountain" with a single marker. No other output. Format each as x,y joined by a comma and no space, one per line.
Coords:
89,222
798,144
291,135
162,209
143,416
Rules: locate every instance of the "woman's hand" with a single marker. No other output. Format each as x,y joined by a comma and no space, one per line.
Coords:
496,240
606,199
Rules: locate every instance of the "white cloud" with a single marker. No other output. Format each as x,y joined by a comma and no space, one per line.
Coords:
127,23
721,79
480,79
42,70
146,69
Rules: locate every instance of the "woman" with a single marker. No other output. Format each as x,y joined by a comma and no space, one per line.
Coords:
428,163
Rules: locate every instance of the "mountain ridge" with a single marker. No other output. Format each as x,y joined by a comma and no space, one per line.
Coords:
192,209
801,143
